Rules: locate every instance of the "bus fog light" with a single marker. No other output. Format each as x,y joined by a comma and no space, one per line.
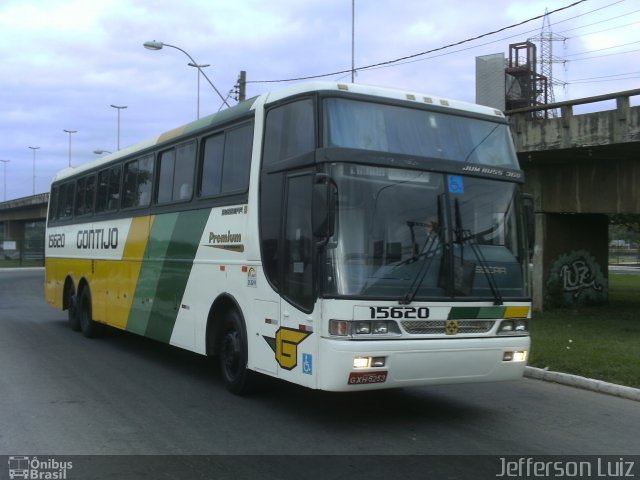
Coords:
518,356
361,362
378,361
339,328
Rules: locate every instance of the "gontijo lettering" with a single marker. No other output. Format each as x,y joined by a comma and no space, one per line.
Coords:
98,238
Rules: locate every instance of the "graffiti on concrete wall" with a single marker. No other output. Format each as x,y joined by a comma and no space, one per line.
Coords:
576,278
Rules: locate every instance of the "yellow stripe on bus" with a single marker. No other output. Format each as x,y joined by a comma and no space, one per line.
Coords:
122,276
516,312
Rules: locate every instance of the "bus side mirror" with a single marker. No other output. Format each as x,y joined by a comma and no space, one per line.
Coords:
323,207
530,221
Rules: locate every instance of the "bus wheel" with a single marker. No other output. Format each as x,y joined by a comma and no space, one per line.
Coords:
90,329
233,356
72,310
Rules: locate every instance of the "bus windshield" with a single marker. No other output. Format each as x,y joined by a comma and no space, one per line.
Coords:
425,133
405,234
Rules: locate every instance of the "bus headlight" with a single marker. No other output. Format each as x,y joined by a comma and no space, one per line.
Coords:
362,328
513,326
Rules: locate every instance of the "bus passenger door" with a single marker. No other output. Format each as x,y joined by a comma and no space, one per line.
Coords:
295,340
267,316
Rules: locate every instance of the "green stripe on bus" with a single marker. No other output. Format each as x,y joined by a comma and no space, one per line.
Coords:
163,278
174,273
147,285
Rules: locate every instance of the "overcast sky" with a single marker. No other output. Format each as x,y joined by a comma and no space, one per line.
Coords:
64,62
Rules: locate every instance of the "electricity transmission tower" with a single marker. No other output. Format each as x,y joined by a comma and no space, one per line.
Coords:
546,59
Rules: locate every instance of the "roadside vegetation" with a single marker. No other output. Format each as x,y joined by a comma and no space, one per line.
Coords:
595,342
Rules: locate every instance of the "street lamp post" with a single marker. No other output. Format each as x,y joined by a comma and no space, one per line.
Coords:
70,132
119,107
154,45
34,168
4,176
199,67
101,152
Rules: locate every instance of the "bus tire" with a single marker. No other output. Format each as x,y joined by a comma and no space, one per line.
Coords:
233,356
89,327
71,301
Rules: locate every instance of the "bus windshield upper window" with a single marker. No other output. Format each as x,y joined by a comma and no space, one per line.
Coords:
411,131
289,132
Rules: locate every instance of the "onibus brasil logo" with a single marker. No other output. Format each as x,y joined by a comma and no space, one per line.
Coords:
33,468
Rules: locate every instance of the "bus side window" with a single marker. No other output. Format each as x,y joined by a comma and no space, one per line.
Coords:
138,177
211,178
166,168
53,201
65,200
85,190
185,168
108,189
175,173
101,193
237,159
113,188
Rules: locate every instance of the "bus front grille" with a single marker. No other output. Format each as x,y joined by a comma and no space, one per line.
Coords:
440,327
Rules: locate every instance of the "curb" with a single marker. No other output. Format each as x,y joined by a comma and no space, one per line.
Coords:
583,383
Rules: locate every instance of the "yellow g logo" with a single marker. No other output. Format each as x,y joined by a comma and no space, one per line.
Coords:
287,340
451,328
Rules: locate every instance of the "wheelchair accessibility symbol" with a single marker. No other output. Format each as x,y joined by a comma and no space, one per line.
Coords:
307,364
456,184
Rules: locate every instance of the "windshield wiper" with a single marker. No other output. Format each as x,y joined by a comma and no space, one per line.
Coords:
427,251
463,236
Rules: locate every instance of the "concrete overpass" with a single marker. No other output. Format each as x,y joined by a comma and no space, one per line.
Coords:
580,169
22,224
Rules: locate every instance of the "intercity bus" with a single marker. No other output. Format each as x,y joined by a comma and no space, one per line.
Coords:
341,237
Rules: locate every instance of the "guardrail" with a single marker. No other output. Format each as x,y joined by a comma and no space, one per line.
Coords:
620,97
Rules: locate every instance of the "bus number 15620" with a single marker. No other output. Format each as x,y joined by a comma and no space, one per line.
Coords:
399,312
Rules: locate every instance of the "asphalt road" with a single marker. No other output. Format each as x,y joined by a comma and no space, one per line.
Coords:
63,394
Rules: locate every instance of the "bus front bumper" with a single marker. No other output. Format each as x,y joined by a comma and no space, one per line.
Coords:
410,363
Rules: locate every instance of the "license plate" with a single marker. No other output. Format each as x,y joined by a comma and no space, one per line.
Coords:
363,378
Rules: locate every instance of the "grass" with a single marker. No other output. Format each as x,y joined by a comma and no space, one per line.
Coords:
595,342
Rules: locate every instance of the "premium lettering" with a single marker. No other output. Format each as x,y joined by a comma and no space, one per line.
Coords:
225,237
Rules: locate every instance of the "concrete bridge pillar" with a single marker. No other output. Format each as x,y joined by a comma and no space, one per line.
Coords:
14,230
570,260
